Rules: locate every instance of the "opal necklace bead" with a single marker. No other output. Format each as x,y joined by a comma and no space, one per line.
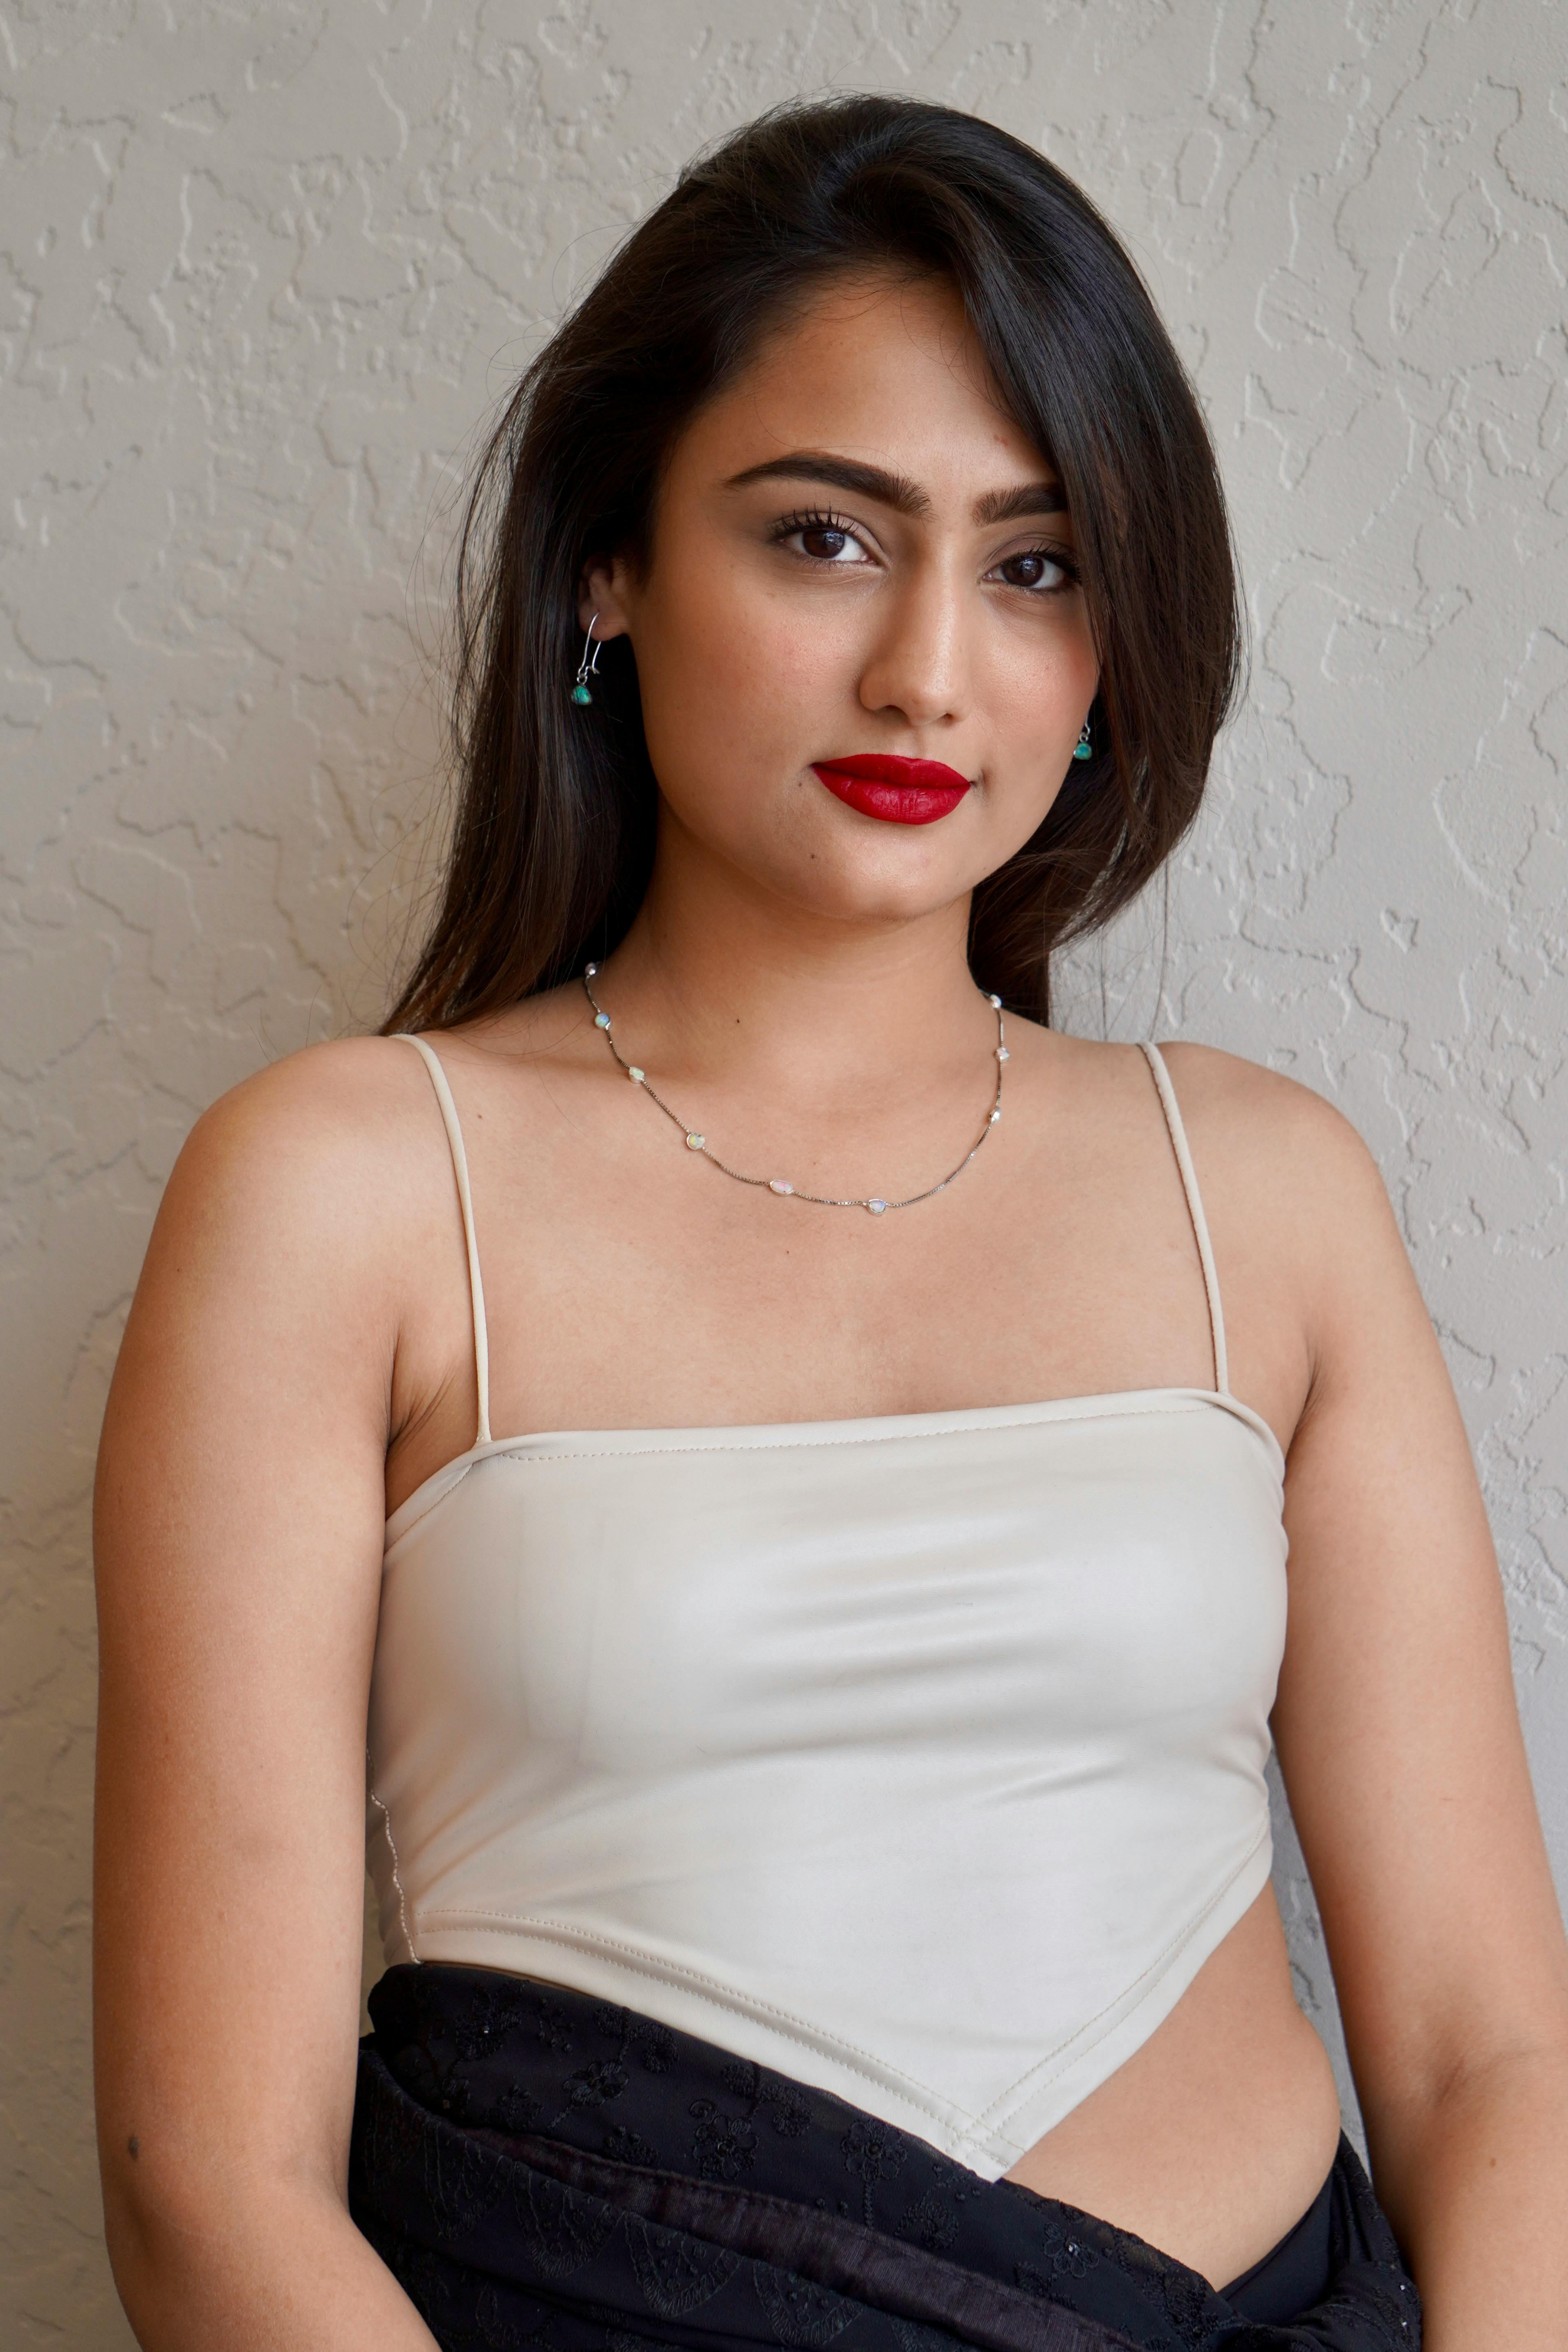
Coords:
696,1141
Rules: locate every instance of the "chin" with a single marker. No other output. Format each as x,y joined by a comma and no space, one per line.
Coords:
854,894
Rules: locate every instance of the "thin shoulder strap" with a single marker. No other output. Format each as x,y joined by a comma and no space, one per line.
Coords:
1178,1134
432,1062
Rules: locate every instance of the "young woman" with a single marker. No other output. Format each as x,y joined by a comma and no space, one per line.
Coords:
794,1457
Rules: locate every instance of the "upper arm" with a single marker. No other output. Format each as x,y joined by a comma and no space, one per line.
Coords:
238,1534
1396,1722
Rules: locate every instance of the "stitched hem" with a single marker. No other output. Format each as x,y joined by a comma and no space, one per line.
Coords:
963,2135
1151,1978
402,1899
1129,1402
715,1994
1078,2068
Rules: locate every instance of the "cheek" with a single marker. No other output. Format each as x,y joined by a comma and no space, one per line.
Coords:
1037,697
735,681
1045,662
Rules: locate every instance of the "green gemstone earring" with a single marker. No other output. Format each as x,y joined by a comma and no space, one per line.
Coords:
582,692
1083,748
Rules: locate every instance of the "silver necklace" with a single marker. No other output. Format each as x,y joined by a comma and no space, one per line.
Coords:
695,1142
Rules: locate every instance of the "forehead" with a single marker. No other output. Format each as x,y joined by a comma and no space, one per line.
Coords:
883,369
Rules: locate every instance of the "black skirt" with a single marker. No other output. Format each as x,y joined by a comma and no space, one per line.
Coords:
540,2168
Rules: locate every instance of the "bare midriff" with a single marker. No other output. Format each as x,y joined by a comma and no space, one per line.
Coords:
1214,2138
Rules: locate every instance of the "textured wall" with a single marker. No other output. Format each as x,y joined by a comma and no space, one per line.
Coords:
263,264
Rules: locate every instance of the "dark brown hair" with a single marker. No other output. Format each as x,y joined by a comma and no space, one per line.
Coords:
553,833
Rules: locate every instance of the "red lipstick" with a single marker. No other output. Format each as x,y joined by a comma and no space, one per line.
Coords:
899,791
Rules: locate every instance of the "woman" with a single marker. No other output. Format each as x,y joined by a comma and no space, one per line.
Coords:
817,1789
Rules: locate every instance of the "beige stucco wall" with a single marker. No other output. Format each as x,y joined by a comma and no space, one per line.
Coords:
262,268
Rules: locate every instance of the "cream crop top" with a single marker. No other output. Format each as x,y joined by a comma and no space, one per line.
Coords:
920,1758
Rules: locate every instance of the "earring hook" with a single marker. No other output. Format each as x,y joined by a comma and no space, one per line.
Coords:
582,692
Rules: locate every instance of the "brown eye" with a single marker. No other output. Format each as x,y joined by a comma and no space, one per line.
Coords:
822,539
1032,571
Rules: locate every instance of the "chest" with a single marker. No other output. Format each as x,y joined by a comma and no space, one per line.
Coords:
631,1284
638,1291
1041,1589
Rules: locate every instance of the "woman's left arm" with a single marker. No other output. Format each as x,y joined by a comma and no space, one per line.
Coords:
1399,1741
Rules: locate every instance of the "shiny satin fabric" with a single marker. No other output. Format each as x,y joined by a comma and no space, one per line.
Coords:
542,2168
920,1759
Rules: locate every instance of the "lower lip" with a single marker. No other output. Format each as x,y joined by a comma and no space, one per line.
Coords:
893,804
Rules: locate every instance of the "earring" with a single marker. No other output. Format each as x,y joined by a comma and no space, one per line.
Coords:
583,692
1083,748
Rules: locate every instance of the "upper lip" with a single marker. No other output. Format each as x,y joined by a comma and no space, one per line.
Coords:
887,768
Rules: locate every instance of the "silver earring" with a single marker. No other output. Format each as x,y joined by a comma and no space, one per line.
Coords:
583,692
1083,748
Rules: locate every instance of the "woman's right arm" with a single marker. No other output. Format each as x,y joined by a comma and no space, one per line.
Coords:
238,1535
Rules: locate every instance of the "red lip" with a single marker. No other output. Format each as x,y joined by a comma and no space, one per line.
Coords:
899,791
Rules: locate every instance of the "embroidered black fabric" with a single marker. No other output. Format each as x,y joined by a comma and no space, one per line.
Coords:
543,2169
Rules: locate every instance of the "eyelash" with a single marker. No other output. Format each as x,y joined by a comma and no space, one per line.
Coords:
822,518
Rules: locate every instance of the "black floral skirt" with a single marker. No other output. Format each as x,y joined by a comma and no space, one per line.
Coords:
540,2168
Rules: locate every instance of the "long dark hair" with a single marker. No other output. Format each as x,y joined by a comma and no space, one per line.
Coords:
553,833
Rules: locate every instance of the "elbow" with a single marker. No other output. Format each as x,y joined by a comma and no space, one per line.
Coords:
1530,2063
166,2241
192,2248
142,2259
1517,2093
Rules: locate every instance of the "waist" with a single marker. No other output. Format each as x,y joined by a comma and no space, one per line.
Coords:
604,2165
940,1979
1212,2138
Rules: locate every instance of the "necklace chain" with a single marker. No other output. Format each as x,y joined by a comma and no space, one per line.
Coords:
698,1142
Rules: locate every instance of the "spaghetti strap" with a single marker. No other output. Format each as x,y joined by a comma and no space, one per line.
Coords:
432,1062
1178,1135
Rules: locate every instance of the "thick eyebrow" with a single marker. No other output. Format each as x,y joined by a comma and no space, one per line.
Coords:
1028,498
896,491
865,481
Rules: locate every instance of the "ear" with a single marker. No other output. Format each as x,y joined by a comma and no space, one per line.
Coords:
602,597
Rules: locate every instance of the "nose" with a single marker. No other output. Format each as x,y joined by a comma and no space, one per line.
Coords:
917,667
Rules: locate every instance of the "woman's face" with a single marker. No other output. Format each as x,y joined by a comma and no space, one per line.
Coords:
856,556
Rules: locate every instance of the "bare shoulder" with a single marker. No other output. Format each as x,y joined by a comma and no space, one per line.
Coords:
313,1133
327,1095
1238,1115
1243,1117
316,1178
1293,1192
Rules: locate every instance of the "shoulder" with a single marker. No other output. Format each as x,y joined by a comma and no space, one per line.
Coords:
1239,1117
318,1121
1291,1192
321,1167
302,1230
1251,1122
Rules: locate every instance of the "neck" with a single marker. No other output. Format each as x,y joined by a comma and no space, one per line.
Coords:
716,974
